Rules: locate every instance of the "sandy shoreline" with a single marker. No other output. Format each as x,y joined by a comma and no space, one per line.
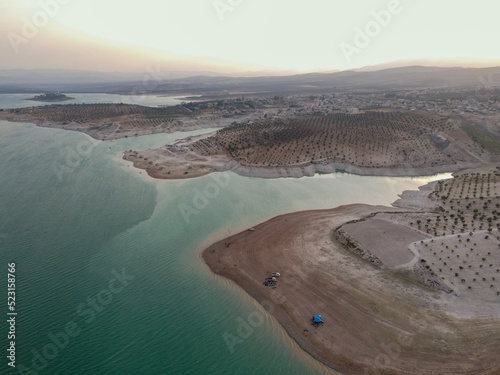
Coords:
182,159
107,134
183,162
377,322
292,148
197,166
116,121
172,162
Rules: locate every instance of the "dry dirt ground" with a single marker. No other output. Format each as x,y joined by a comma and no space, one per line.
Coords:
370,140
386,240
454,242
469,265
406,145
115,121
176,161
377,321
104,121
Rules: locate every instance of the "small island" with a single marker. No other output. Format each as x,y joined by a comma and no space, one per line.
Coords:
51,97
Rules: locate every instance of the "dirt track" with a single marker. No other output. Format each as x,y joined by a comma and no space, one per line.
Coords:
376,321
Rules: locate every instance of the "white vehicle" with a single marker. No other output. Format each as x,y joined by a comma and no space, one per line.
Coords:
275,274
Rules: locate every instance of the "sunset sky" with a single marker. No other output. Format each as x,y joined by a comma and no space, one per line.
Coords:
249,35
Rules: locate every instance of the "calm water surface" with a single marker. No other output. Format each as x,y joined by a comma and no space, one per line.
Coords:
19,100
73,216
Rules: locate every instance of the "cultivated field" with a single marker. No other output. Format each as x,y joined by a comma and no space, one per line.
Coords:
467,264
385,240
373,140
102,121
376,321
483,138
87,112
459,244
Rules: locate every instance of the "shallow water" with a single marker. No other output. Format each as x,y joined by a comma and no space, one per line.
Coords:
19,100
73,214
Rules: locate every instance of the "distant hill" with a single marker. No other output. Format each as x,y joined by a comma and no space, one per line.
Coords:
411,77
51,97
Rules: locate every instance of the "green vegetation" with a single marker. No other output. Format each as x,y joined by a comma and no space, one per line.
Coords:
90,112
51,97
483,138
372,139
160,117
465,252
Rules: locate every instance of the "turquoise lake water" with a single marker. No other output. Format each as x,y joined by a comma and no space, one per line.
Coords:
19,100
73,216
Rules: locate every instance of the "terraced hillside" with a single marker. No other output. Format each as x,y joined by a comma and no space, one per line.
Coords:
103,121
459,247
372,139
88,112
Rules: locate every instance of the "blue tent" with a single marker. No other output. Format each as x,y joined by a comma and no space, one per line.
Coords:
317,318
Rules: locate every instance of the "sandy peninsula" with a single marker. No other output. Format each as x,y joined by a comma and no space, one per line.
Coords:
177,161
408,144
379,318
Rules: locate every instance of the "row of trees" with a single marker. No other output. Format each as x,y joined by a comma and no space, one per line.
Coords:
370,139
89,112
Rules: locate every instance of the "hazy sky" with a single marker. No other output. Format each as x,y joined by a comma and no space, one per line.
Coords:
241,35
